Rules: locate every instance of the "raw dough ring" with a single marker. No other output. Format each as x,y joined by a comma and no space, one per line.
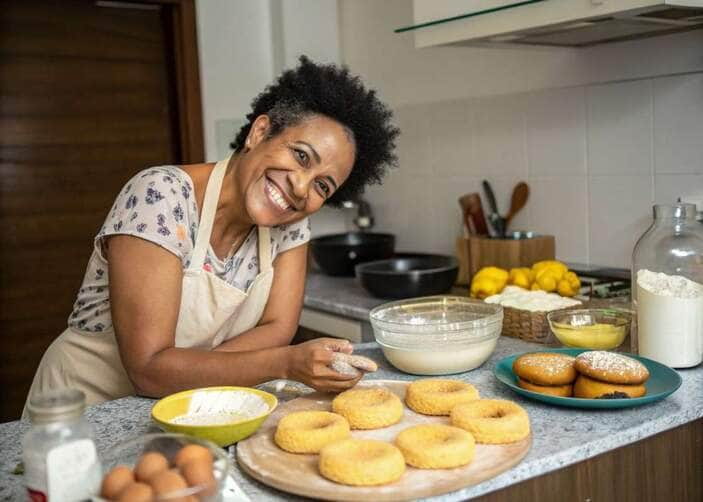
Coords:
437,396
309,431
436,446
361,462
492,421
370,408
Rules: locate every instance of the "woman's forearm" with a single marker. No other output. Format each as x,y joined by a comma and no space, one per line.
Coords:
260,337
176,369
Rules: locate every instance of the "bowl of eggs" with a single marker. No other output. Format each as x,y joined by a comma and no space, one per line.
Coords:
162,466
223,415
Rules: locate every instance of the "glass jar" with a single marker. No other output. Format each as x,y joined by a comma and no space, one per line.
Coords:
60,459
667,287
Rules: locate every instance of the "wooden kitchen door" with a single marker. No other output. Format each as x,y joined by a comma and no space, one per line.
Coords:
90,93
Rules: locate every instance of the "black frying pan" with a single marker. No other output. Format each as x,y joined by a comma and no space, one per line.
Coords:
408,275
338,254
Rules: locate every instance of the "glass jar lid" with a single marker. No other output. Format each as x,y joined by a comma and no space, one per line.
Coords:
56,405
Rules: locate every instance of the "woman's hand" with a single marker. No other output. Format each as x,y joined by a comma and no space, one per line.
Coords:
309,363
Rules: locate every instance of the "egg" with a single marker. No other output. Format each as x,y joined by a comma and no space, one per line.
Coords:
116,481
198,472
192,452
137,492
151,464
168,482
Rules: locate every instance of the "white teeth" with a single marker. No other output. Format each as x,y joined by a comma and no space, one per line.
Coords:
277,197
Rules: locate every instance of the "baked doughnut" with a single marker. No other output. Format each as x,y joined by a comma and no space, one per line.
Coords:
588,388
361,462
492,421
437,396
611,367
436,446
348,364
545,368
370,408
566,390
309,431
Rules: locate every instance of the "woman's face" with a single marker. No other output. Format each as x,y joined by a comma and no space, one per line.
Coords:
290,176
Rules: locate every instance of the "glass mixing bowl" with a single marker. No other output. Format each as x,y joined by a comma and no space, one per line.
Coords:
595,329
437,335
129,452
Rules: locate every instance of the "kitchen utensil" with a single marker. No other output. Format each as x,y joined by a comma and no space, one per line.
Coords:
521,192
338,254
474,217
437,335
128,453
408,275
508,252
170,407
662,382
497,222
259,457
595,329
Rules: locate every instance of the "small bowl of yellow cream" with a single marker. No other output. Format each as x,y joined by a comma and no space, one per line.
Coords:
595,329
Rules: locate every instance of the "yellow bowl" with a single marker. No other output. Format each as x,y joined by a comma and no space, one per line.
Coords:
175,405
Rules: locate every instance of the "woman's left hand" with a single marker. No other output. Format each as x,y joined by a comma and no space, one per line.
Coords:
309,363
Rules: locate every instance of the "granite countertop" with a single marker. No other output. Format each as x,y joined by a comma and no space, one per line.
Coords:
561,436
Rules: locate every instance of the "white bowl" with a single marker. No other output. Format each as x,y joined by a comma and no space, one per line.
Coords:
437,335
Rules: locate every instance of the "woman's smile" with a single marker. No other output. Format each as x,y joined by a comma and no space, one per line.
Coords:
277,197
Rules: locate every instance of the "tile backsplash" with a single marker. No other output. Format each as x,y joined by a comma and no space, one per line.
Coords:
596,158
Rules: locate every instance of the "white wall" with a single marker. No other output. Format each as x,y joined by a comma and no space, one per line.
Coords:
598,133
243,45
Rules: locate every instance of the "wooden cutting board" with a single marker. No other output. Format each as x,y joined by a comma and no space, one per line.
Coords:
295,473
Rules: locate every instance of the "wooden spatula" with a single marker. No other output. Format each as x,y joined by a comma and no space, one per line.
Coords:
474,219
521,193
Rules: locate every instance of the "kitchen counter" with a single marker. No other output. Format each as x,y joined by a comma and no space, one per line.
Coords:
561,436
339,295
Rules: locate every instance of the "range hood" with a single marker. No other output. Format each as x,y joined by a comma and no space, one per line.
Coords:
569,23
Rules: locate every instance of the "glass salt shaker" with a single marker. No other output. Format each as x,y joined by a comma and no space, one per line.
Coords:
60,459
667,287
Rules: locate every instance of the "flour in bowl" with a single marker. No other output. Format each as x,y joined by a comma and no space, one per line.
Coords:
221,407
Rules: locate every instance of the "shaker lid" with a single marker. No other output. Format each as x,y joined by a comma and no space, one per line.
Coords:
56,405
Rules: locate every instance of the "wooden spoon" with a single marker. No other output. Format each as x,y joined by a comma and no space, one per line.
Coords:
521,192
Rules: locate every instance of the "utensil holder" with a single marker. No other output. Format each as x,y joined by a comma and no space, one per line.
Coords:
476,252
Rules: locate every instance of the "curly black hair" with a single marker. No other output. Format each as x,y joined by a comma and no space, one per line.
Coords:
329,90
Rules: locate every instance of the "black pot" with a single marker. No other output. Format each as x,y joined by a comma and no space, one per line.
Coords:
408,275
338,254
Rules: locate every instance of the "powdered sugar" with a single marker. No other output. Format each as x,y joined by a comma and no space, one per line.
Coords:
668,285
533,301
600,360
218,407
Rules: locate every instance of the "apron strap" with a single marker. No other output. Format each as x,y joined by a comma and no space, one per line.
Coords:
264,238
207,216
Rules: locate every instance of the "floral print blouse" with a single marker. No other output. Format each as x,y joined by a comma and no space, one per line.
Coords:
158,205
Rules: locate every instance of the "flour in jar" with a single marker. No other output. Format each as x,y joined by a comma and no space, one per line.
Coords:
670,318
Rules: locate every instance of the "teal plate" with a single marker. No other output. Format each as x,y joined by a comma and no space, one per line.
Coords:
662,382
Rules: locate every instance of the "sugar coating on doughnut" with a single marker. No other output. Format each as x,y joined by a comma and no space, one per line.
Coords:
438,396
436,446
361,462
349,364
310,431
545,368
611,367
369,408
492,421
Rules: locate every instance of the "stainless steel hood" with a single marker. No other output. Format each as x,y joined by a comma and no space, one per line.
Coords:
570,23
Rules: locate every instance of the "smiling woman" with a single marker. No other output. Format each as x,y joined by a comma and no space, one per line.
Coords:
197,274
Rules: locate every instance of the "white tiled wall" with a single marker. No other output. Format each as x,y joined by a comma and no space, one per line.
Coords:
596,158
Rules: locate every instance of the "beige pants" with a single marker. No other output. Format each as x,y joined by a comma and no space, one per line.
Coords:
86,361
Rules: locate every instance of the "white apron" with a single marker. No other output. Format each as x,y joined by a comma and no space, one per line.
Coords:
211,312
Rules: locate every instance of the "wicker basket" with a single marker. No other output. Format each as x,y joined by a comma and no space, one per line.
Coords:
531,326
